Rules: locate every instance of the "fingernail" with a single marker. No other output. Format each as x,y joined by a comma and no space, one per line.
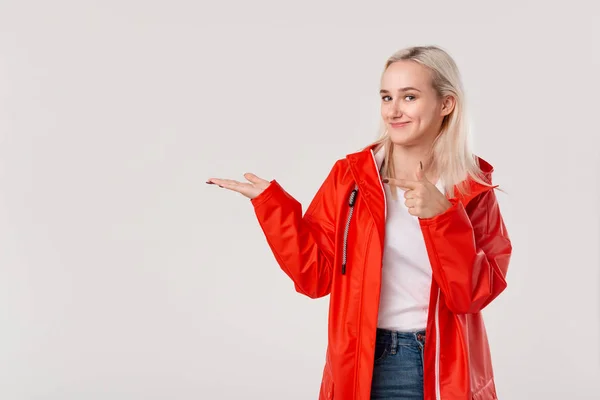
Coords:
386,180
210,183
421,165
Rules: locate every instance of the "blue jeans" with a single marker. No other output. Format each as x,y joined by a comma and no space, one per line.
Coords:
398,366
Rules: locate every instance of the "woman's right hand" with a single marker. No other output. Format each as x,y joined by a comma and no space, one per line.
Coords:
250,190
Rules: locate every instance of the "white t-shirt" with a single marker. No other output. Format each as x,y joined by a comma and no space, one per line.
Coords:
406,270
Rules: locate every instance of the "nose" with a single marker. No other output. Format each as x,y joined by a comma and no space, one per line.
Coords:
394,110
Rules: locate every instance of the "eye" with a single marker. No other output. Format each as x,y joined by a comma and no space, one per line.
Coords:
386,97
410,97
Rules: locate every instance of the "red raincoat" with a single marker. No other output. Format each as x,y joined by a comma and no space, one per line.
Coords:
336,249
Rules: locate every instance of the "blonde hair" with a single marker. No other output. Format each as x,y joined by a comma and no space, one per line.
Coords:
451,155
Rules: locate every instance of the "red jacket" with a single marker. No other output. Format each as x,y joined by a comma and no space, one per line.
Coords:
336,249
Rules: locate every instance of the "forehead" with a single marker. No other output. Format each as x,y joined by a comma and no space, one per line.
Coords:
406,73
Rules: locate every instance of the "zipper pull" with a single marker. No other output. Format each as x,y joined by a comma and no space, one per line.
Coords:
352,198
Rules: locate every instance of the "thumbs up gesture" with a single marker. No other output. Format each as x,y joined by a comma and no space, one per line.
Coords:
423,198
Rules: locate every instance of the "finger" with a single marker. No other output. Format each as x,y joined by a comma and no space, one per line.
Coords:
254,179
219,181
229,184
413,211
410,203
420,174
402,183
212,181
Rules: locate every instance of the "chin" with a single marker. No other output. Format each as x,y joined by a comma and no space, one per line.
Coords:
401,138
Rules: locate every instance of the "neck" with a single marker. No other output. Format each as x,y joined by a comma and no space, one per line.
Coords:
406,161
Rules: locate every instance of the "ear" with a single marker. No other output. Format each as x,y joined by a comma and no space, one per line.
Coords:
448,104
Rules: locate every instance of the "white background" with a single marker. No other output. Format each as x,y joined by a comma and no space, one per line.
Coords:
124,276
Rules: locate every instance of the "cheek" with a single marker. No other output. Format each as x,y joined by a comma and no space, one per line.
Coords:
422,113
385,109
413,111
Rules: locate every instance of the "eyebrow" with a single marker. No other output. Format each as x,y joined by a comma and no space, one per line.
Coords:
404,89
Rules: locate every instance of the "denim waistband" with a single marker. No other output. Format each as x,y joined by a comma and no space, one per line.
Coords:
398,338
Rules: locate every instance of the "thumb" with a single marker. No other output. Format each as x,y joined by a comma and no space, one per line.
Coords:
253,178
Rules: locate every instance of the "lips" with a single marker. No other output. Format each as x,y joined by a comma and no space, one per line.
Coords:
399,124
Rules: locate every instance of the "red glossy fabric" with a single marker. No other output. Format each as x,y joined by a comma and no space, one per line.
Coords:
469,250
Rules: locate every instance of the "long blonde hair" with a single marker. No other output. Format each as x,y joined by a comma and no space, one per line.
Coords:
451,154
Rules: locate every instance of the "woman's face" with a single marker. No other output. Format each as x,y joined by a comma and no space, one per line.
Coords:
410,107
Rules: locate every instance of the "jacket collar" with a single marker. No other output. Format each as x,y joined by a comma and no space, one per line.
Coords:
365,166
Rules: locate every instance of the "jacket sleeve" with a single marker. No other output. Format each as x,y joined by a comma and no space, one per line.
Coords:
470,250
303,245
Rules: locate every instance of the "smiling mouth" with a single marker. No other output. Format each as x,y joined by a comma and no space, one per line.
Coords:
399,124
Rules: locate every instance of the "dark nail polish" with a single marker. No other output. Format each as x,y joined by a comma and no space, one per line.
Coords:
385,180
210,183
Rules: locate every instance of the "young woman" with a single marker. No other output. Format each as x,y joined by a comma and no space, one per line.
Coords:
407,238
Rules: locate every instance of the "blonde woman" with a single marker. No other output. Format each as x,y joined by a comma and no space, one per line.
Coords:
407,238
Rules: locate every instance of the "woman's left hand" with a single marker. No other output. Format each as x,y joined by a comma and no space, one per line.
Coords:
423,198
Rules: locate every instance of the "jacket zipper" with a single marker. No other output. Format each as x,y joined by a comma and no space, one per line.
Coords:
351,202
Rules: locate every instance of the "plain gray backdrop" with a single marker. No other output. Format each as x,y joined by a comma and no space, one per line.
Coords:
124,276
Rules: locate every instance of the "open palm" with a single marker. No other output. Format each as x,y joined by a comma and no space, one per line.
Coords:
250,189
